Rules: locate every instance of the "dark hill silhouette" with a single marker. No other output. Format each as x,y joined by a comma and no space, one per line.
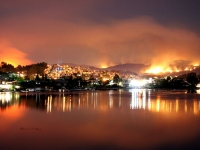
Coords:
129,67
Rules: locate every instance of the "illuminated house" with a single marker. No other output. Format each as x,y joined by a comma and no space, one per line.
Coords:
5,83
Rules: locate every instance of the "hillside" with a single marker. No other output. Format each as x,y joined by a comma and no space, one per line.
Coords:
129,67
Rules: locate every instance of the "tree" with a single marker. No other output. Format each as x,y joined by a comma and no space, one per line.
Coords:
5,67
35,69
19,68
116,79
15,77
192,78
40,67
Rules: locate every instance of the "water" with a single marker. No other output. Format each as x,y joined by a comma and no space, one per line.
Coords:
132,119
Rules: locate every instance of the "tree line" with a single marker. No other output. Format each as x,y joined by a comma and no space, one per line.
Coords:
28,70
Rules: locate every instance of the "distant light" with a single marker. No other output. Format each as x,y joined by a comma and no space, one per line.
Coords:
198,85
186,69
198,91
104,66
138,83
155,70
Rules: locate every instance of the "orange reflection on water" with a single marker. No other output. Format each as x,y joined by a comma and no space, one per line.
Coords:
49,104
12,113
10,116
85,122
196,107
141,99
155,101
10,110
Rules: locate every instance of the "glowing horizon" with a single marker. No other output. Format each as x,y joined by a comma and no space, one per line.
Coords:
157,69
12,55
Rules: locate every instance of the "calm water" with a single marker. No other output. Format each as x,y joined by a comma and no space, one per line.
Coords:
132,119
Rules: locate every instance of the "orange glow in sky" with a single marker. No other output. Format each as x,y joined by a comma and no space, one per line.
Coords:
162,69
104,66
155,70
12,55
196,64
140,35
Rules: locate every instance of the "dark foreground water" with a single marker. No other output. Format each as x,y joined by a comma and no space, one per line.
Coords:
133,119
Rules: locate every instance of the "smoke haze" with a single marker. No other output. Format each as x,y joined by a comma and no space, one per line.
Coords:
55,32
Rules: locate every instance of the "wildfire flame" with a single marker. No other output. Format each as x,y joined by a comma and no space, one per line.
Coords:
163,69
104,66
159,69
19,57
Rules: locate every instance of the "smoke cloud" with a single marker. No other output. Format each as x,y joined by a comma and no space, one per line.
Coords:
12,55
54,36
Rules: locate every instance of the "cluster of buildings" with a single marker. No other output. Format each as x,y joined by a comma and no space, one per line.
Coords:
58,71
77,76
86,75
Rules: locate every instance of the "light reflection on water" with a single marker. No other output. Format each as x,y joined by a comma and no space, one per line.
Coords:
156,101
8,98
121,119
142,99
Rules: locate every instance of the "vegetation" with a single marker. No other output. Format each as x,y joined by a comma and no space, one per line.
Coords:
4,67
29,70
187,81
34,73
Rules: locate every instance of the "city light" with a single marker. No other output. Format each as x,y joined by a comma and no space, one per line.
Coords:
138,82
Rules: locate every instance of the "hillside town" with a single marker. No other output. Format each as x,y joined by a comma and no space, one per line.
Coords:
62,77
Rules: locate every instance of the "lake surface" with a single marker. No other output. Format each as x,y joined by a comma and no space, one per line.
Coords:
121,119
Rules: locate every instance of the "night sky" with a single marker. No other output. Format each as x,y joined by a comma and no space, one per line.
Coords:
99,32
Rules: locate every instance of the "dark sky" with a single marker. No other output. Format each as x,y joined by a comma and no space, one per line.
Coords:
99,32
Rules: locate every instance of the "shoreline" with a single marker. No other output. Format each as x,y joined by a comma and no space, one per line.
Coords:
85,91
